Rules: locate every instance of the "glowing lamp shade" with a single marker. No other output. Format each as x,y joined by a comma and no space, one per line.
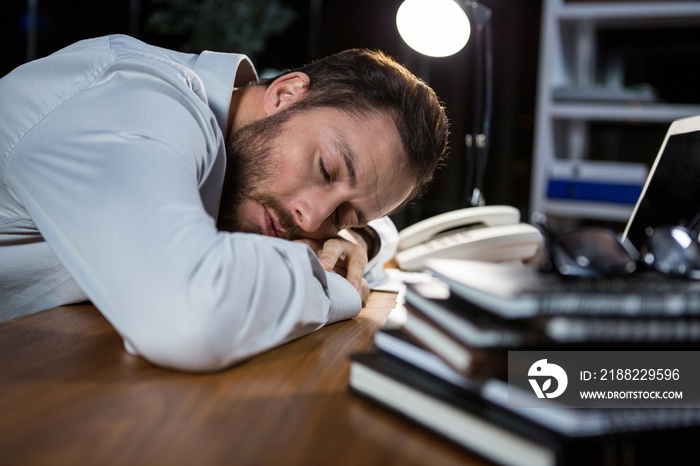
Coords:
437,28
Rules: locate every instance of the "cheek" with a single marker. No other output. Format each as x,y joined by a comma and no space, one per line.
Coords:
288,177
267,175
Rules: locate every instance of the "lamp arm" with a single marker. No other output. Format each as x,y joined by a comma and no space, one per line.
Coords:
477,142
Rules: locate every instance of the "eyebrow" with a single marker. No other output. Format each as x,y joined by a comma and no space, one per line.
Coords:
348,156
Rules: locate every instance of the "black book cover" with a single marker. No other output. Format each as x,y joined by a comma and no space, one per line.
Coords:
477,327
516,291
423,396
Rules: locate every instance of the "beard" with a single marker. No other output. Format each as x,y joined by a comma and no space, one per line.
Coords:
249,171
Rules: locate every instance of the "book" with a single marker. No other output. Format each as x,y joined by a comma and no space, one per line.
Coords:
398,343
480,327
577,190
446,368
476,415
465,359
469,340
475,341
518,291
591,180
463,320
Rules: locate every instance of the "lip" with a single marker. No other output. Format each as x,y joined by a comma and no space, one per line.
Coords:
272,227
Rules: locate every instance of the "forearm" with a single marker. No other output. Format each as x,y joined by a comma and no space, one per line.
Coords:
250,294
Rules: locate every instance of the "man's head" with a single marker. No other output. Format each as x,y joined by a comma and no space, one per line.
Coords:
341,141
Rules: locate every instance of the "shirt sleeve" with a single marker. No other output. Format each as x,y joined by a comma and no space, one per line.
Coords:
389,239
111,178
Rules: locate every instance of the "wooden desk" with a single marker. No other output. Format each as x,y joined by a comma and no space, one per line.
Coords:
71,395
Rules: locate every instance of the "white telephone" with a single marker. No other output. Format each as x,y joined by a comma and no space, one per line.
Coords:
488,233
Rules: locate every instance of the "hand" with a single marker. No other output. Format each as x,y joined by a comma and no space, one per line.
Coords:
342,256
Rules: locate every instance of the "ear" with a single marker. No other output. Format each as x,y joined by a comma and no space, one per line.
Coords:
284,91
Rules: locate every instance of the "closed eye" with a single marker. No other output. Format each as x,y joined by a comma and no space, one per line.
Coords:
322,169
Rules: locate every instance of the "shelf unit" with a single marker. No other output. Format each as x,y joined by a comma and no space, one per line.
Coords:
581,86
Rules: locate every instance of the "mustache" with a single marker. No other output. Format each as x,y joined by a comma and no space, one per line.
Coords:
284,217
291,229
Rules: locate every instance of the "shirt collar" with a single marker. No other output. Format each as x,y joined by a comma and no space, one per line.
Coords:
220,73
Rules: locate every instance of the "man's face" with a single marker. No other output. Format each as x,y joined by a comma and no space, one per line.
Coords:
315,172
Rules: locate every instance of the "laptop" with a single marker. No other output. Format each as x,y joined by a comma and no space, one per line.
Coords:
671,196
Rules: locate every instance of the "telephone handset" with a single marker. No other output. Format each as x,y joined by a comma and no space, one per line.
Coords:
488,233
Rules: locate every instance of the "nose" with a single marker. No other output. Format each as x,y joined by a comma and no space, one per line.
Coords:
316,216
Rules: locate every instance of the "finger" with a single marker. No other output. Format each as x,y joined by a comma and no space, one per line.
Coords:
333,249
364,290
356,261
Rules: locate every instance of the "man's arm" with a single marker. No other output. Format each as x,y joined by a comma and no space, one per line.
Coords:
112,179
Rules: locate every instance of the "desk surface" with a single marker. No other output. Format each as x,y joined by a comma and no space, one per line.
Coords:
70,394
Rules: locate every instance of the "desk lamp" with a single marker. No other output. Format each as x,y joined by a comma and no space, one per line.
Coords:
440,28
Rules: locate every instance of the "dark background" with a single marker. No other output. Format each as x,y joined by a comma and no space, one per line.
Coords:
324,27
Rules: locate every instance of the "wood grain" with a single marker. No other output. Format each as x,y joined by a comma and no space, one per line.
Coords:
71,395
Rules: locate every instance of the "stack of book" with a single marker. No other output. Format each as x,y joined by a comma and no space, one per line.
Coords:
446,368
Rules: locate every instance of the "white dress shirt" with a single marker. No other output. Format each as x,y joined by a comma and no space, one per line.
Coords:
111,168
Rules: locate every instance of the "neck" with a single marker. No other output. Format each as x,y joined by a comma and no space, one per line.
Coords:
245,108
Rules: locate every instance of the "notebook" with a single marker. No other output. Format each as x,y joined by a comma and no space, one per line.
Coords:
671,196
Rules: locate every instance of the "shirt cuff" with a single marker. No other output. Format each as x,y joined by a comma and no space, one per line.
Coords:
345,300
